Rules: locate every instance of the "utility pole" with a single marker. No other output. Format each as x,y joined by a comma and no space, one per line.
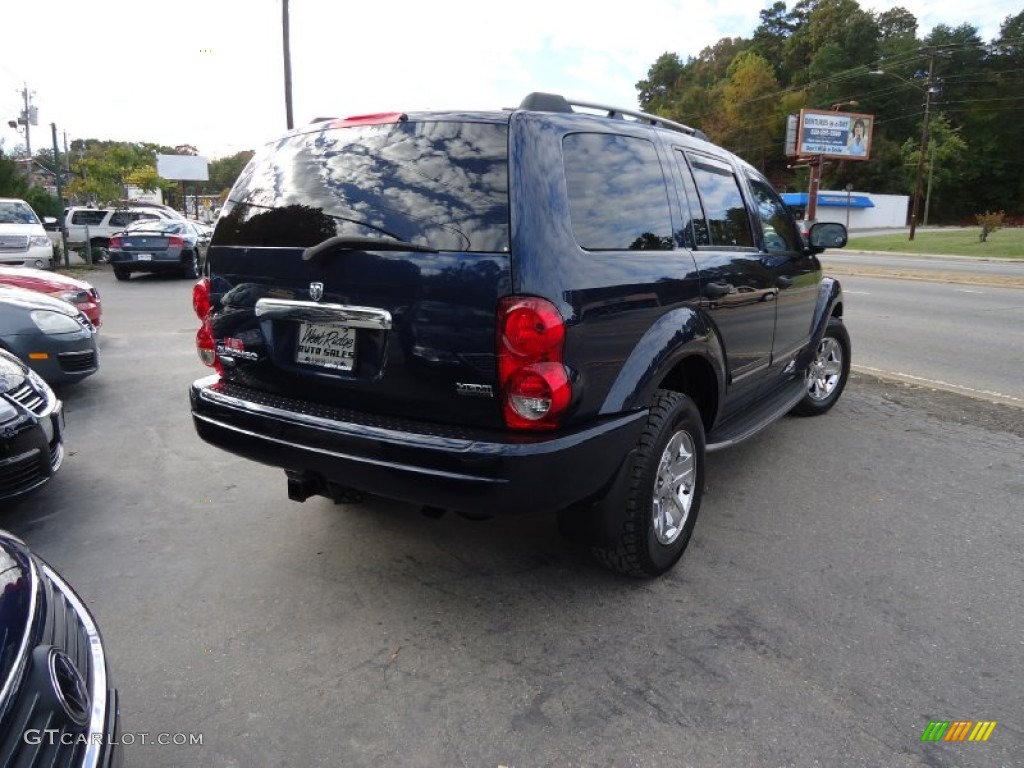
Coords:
924,142
287,65
29,120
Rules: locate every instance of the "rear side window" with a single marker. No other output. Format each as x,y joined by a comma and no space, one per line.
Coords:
728,223
618,198
442,184
90,217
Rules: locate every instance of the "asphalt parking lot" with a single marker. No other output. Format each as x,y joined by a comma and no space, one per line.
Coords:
851,578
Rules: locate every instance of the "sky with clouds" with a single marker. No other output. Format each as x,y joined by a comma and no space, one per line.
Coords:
209,72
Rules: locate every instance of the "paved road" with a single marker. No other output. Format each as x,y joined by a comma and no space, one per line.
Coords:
851,578
964,337
995,271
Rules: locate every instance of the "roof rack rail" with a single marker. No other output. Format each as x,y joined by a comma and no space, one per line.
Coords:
553,102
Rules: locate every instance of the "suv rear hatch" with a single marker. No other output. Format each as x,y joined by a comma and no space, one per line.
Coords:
358,264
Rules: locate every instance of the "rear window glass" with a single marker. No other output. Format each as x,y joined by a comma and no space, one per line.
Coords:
442,184
89,217
159,225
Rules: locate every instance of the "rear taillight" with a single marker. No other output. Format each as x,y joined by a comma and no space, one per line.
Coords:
201,298
535,387
206,347
175,242
115,242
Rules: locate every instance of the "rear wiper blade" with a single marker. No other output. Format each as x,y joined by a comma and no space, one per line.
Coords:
346,243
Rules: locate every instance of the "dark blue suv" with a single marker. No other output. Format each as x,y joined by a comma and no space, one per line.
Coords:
558,308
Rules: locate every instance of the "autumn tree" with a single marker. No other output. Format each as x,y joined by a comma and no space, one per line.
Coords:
824,53
753,124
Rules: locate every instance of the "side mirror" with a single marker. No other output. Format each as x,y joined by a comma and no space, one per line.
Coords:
826,234
49,220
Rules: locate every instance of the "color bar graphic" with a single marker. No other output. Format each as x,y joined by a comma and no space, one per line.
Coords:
982,730
958,730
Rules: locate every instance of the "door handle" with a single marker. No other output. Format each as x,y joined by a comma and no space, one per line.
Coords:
717,290
783,282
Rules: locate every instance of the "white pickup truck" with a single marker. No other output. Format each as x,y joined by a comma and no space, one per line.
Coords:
23,241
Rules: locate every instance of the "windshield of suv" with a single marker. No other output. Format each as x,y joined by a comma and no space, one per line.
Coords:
440,184
17,212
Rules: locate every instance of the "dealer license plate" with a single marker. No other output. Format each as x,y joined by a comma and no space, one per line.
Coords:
326,345
144,256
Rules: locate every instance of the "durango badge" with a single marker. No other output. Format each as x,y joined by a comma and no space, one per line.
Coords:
474,390
316,291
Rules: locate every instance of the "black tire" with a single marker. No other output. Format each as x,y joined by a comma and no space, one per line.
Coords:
829,370
122,274
642,548
190,268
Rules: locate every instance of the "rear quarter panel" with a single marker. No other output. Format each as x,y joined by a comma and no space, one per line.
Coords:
630,314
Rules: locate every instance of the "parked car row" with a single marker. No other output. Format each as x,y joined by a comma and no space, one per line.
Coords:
77,292
58,705
50,322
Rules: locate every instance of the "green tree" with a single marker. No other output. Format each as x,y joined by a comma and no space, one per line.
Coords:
43,203
752,122
12,178
102,169
659,88
944,162
769,41
225,170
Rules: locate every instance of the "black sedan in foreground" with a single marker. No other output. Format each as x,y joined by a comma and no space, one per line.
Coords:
57,704
158,246
52,337
31,429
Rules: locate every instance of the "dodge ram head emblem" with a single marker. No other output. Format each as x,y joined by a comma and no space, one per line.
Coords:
316,291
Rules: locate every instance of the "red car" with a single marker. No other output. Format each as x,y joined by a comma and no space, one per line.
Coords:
77,292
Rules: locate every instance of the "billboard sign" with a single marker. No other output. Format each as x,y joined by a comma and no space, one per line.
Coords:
182,167
835,134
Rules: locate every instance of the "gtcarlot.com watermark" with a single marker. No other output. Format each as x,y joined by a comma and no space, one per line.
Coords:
52,736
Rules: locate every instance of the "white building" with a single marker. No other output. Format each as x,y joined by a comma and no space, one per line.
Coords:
857,210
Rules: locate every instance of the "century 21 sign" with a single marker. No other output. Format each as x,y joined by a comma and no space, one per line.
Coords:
835,134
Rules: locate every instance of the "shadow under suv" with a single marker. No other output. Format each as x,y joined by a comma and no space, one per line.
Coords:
533,310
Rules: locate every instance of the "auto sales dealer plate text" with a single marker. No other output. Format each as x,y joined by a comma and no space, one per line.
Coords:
326,345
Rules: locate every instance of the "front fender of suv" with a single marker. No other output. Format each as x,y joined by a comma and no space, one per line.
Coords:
677,335
829,304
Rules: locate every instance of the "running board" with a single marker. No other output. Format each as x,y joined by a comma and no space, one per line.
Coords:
756,417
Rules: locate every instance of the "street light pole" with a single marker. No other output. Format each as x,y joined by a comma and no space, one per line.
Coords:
924,143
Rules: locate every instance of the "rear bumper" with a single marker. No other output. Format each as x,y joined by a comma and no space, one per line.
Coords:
168,260
479,471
